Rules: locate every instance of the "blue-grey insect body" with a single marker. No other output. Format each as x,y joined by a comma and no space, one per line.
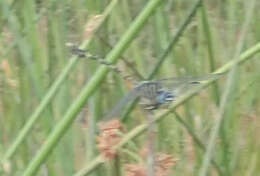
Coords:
164,97
160,92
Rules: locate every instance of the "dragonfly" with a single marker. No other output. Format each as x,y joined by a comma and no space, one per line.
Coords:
156,93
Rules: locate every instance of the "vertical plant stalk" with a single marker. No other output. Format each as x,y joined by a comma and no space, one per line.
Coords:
89,89
196,140
207,31
227,93
215,130
151,138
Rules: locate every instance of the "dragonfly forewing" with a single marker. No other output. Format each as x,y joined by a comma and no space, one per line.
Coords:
181,85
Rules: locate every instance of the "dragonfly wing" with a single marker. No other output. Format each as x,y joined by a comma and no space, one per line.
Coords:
181,85
116,111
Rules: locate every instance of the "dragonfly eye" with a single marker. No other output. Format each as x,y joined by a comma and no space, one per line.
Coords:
164,96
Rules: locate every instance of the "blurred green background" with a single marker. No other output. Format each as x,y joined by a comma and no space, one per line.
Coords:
33,54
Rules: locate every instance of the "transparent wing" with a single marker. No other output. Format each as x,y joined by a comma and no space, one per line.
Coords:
184,84
116,111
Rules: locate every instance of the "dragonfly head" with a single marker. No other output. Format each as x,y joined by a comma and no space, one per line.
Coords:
164,97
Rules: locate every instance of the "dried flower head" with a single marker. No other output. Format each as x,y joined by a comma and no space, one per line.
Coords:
163,164
165,161
109,137
144,152
135,170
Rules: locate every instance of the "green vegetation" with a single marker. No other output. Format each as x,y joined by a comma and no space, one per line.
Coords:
51,101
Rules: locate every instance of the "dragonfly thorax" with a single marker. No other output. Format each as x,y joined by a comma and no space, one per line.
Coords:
149,89
154,94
